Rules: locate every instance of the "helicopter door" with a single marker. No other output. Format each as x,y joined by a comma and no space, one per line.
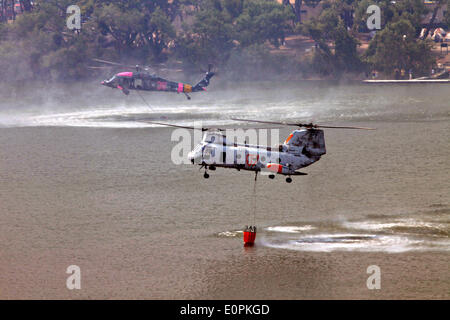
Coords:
126,83
138,84
224,156
147,84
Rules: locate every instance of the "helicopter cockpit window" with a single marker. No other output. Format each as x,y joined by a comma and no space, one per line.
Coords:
212,137
208,153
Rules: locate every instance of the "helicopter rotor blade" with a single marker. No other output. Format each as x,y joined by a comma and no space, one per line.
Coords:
306,125
174,125
261,121
110,62
153,68
183,127
343,127
92,67
120,64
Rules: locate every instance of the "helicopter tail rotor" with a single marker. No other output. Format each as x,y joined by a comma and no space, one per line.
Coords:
205,81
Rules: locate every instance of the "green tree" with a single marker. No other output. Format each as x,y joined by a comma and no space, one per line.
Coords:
262,21
158,33
212,33
36,35
297,6
412,10
221,26
334,43
447,15
123,26
396,47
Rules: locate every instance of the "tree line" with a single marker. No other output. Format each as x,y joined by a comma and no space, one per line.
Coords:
238,36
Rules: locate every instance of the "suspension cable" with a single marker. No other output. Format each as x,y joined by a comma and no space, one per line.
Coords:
254,199
145,101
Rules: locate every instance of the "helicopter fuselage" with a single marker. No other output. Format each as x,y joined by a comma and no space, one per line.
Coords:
145,81
302,148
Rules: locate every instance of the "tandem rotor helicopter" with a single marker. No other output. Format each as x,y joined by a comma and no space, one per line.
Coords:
142,79
302,148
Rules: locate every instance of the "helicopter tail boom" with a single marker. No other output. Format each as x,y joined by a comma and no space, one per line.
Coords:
202,84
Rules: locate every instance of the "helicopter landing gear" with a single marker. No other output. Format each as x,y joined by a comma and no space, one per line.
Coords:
212,168
288,179
206,175
271,176
187,96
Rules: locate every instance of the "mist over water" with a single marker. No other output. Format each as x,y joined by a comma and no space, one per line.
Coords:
84,181
96,106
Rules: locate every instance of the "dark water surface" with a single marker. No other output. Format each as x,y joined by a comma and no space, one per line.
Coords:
88,184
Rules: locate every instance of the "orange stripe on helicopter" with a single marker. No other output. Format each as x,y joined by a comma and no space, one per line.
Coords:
289,138
187,88
275,167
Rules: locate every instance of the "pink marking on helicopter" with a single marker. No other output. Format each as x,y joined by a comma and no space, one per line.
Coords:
180,87
125,74
161,85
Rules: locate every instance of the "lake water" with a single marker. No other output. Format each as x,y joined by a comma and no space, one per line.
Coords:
83,181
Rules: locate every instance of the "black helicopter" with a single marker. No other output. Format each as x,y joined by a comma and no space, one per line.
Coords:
143,79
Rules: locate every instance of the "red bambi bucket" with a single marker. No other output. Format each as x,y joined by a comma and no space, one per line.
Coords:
249,236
